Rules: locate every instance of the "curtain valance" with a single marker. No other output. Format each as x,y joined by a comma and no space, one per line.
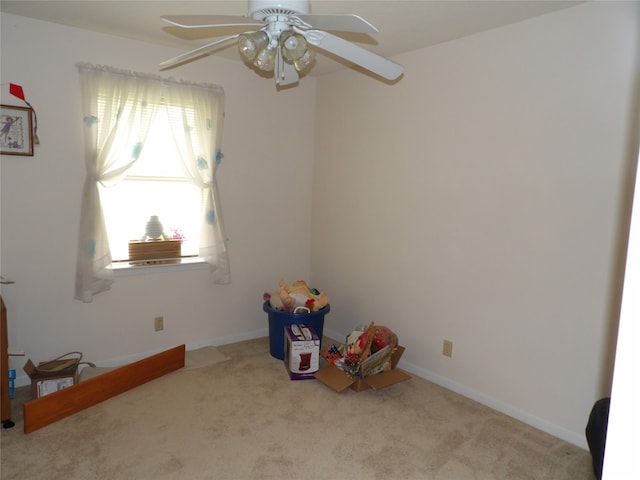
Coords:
149,77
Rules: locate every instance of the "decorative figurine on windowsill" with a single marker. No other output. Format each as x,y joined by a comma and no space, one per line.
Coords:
154,229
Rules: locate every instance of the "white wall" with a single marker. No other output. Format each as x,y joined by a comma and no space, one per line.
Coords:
265,181
484,199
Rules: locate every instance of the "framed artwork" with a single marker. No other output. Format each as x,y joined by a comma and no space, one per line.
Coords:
16,130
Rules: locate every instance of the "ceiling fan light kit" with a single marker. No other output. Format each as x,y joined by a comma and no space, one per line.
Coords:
261,50
278,39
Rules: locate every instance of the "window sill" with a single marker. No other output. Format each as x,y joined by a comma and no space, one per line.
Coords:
124,269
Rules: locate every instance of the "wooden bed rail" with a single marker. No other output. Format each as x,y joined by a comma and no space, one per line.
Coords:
46,410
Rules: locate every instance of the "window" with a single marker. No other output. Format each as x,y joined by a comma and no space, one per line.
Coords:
155,185
152,147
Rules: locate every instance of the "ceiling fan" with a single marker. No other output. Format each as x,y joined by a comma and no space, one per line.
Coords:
278,35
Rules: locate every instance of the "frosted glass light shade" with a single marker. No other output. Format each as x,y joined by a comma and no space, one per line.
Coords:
266,59
304,62
250,44
294,46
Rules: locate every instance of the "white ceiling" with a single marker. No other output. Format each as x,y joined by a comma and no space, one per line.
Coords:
404,25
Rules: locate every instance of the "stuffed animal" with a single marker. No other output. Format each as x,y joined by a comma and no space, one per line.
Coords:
274,300
298,294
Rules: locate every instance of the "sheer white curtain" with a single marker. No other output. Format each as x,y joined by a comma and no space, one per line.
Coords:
118,108
196,117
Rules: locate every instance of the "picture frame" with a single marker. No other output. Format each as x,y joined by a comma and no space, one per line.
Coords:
16,130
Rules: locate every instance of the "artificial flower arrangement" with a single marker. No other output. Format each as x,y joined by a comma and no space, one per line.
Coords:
176,234
367,352
297,297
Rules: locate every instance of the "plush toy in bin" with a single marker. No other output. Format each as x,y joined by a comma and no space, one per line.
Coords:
298,294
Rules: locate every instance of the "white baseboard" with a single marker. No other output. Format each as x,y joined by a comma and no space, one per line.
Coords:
574,438
333,334
557,431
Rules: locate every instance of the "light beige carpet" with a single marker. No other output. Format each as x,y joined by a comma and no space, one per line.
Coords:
203,357
244,419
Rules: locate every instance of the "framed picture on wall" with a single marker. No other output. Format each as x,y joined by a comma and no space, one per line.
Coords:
16,130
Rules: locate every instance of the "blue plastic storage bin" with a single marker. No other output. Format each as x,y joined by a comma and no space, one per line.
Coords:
278,320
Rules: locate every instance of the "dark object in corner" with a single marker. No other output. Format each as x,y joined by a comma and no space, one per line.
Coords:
597,433
5,401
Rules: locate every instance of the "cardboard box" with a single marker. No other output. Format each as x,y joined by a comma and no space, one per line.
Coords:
52,385
44,383
301,351
339,380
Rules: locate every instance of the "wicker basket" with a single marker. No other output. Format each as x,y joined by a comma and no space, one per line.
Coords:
156,252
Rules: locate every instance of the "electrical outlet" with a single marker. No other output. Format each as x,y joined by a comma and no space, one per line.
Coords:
447,348
158,324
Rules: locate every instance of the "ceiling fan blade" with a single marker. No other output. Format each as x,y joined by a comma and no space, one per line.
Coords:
355,54
205,49
207,21
340,22
285,73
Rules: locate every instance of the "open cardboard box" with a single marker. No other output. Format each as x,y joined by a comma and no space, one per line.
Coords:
339,380
43,383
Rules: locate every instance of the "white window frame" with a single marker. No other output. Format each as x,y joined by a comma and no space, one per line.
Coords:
167,172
